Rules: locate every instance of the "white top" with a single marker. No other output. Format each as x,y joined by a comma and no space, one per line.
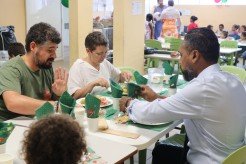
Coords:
81,73
213,108
170,13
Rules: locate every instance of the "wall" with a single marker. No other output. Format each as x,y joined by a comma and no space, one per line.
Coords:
215,15
13,13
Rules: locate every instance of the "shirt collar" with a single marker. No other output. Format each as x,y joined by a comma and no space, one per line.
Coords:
210,69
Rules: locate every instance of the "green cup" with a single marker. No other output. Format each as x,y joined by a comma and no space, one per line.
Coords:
133,90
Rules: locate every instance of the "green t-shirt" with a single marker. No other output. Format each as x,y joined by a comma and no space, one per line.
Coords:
16,76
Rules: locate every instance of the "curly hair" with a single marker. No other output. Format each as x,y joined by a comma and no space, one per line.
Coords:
41,33
95,39
55,139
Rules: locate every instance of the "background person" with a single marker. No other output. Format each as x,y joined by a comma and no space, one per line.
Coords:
211,104
149,27
192,24
219,31
54,139
16,49
158,23
169,17
91,74
28,81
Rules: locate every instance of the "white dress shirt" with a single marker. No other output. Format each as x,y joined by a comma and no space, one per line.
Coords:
213,108
81,73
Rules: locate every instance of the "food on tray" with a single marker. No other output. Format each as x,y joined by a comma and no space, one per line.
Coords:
124,87
156,79
122,119
104,101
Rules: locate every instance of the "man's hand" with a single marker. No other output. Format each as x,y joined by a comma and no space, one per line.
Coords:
148,94
124,102
60,81
125,76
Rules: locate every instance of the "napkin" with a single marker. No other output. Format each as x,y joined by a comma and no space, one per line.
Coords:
168,68
116,89
139,78
67,103
92,105
46,109
133,90
5,131
173,81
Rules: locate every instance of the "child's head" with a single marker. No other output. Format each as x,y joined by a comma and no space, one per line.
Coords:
243,35
224,35
210,27
149,17
193,18
54,139
242,28
221,27
235,27
16,49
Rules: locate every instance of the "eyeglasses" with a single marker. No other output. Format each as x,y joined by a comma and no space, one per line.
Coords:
101,53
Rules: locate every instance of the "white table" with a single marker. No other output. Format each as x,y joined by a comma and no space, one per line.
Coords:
162,57
229,50
103,147
146,139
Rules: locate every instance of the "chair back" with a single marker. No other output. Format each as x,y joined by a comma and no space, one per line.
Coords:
153,44
130,69
229,44
175,43
237,71
238,156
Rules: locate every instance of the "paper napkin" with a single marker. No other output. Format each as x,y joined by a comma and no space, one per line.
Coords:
139,78
46,109
116,89
92,105
5,131
67,103
168,68
173,81
133,90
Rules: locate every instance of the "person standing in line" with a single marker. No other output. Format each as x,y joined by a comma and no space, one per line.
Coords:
169,17
192,24
149,27
158,23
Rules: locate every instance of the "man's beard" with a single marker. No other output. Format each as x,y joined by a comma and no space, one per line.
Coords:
44,65
189,74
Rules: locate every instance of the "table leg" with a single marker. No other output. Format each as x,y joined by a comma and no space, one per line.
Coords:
142,156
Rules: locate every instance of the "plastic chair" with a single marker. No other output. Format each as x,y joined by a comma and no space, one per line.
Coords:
237,71
238,156
130,69
228,59
175,43
156,45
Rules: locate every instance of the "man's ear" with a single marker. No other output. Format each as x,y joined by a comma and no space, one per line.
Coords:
32,46
195,55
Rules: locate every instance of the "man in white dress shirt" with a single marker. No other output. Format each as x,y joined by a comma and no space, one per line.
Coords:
212,104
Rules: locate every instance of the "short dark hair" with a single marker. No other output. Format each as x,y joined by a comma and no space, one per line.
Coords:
149,16
205,41
170,3
95,39
222,25
193,18
16,49
225,33
54,139
41,33
244,34
244,27
209,26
